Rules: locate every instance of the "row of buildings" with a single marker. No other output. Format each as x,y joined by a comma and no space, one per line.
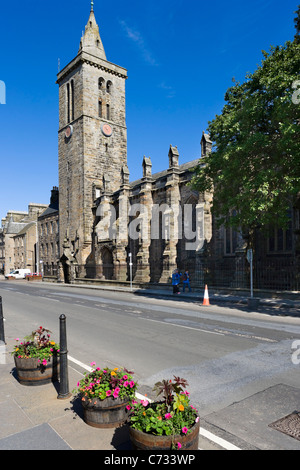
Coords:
27,241
100,226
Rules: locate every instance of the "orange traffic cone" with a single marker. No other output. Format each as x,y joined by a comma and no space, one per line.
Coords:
206,298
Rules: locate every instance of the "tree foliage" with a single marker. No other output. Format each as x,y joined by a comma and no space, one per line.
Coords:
254,166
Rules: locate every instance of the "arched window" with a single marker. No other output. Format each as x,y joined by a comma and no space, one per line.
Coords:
100,109
108,112
101,83
109,86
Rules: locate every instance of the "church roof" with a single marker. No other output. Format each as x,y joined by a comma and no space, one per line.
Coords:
161,174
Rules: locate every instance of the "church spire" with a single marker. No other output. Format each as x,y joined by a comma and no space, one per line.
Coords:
91,41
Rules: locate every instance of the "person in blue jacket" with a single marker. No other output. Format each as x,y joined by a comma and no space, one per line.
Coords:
186,281
175,281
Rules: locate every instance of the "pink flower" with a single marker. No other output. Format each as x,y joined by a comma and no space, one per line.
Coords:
128,407
93,363
116,393
168,416
44,362
125,377
126,383
179,445
16,339
131,384
144,402
197,419
108,393
184,430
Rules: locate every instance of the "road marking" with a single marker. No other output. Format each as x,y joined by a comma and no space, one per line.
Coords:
203,432
81,364
182,326
218,440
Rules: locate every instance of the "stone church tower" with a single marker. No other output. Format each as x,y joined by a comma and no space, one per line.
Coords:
92,140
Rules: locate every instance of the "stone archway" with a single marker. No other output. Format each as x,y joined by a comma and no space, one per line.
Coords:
107,263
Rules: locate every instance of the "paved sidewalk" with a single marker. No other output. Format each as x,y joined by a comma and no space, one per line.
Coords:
33,418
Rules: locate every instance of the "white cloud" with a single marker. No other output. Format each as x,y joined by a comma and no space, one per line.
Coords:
169,89
135,36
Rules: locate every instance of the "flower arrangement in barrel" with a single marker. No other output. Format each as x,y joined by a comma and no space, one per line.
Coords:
174,415
37,345
105,382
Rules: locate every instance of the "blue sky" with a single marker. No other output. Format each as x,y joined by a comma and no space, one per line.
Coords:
181,57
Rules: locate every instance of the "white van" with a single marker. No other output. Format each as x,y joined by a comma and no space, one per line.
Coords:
18,273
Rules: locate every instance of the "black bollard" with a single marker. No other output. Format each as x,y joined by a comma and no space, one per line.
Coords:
63,359
2,336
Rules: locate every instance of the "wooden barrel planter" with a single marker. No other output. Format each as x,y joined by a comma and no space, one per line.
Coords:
31,372
108,413
144,441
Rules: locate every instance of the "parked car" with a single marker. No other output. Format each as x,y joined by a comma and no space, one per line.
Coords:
18,273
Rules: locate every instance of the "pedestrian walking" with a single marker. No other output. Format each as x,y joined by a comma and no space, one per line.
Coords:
186,281
175,281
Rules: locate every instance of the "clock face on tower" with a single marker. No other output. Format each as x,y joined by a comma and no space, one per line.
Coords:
106,130
69,131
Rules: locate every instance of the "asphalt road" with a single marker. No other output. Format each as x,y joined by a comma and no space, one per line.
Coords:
226,353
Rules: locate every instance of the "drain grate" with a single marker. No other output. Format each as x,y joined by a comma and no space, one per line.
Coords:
289,425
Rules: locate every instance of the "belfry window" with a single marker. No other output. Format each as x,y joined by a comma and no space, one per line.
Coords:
101,83
109,86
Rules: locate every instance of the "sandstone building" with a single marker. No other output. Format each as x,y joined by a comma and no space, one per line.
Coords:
94,182
48,230
111,228
19,239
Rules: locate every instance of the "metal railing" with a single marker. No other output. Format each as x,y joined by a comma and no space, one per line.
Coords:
233,272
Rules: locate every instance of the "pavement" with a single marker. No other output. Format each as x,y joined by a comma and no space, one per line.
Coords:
34,418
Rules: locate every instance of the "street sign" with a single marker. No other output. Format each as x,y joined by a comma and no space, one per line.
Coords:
249,255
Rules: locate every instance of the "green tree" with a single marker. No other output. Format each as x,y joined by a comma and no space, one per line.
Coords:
254,166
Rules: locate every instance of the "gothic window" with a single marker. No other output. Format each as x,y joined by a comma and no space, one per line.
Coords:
100,109
230,239
280,240
108,112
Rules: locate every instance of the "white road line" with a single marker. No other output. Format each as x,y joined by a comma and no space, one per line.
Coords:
203,432
183,326
218,440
